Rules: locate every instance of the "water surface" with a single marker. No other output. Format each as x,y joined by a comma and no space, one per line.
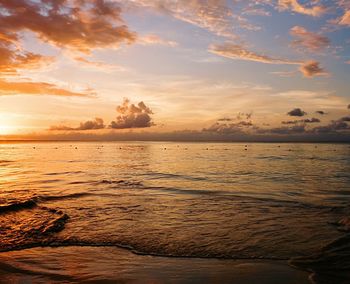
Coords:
201,200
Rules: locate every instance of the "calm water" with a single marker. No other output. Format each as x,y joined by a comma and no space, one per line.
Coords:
203,200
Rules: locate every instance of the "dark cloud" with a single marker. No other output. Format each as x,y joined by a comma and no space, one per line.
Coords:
87,125
240,124
312,68
334,126
225,119
345,118
295,129
312,120
321,112
296,112
244,115
132,116
229,128
307,120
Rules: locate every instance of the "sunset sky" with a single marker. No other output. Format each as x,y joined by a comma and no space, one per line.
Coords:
215,68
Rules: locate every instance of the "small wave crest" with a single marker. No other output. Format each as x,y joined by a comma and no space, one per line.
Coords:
332,263
25,224
18,205
121,182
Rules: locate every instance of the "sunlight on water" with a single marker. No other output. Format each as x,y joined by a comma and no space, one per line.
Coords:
232,201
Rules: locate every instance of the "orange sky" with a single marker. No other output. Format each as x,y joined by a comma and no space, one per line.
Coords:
225,69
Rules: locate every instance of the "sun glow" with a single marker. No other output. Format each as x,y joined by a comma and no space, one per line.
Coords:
4,130
7,125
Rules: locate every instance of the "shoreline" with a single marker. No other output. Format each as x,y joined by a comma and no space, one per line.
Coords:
111,265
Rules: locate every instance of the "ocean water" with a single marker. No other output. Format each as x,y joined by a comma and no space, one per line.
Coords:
257,201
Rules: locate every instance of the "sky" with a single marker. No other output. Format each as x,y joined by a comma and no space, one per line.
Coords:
178,70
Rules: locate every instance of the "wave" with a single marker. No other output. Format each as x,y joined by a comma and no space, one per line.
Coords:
36,227
6,267
76,242
121,182
62,197
19,205
273,201
156,175
64,173
5,162
33,202
332,263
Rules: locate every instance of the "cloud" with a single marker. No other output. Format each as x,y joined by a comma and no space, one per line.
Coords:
213,15
345,118
252,10
239,52
296,129
240,124
334,126
156,40
345,19
296,112
38,88
225,119
307,120
132,116
13,59
293,5
305,39
228,128
79,25
236,51
87,125
312,68
99,65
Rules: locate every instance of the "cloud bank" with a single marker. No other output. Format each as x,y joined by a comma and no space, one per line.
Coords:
88,125
130,116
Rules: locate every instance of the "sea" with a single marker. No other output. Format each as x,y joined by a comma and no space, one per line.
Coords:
285,202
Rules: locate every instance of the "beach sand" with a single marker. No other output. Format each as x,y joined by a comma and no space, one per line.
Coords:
115,265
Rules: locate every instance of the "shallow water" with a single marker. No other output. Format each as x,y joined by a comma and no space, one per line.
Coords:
203,200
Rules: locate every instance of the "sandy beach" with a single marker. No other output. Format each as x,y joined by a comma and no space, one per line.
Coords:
114,265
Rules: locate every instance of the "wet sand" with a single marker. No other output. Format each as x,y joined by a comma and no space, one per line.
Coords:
114,265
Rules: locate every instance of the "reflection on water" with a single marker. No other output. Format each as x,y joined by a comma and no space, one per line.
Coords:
256,201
